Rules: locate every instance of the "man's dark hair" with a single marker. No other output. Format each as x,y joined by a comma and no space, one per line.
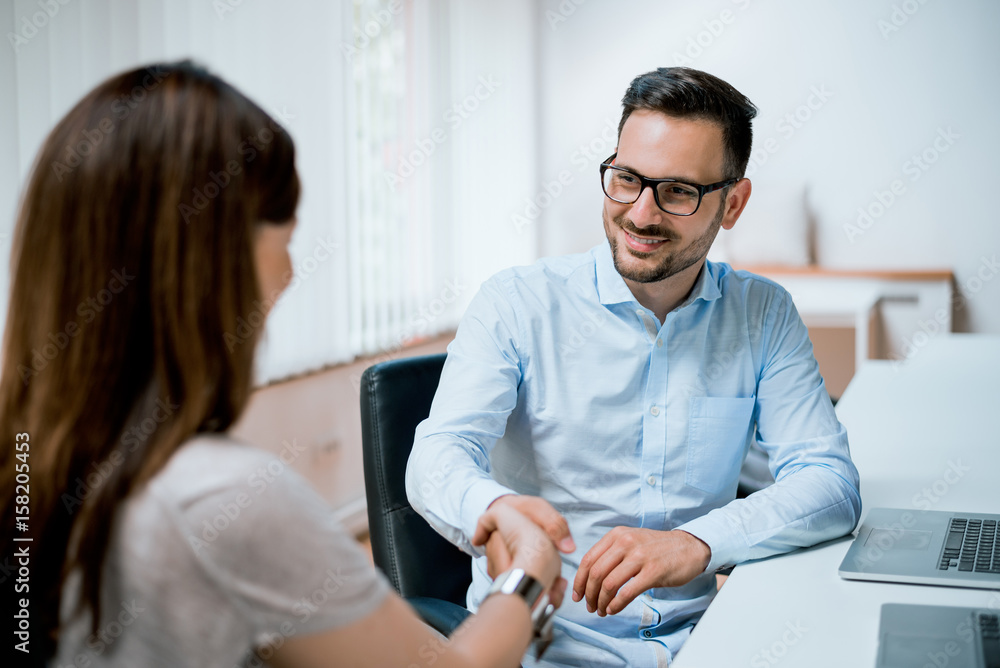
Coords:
682,92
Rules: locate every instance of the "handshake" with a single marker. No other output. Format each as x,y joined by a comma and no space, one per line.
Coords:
526,532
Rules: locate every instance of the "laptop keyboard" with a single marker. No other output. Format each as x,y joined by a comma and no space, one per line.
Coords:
971,546
989,632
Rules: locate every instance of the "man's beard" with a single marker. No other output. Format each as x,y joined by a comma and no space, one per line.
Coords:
672,263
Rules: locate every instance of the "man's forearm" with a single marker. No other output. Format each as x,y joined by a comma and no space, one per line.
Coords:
449,488
807,506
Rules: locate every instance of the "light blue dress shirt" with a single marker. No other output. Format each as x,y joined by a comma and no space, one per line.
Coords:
560,384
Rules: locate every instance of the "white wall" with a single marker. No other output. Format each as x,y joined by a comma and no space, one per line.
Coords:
890,93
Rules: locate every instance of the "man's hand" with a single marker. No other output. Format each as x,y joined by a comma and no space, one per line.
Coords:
539,511
626,562
528,546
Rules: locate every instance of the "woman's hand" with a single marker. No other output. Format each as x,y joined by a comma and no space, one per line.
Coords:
496,636
529,546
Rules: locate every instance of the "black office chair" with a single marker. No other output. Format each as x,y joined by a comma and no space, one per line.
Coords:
755,475
425,569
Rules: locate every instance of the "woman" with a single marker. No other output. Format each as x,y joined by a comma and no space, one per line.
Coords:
158,213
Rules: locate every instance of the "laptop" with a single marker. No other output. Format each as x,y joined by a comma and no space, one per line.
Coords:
936,635
925,547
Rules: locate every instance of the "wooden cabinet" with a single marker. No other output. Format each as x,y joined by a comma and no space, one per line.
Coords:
855,315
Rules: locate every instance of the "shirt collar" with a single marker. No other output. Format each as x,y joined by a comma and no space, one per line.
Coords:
706,286
611,287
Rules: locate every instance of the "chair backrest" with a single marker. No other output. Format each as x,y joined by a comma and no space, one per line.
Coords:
395,397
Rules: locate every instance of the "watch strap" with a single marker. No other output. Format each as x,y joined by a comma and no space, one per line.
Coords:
516,581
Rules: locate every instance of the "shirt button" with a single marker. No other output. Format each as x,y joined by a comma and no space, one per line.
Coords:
655,410
639,312
651,480
659,343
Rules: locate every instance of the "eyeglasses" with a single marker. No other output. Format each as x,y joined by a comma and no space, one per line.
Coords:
672,196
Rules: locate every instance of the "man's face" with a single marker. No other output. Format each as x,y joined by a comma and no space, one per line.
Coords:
648,244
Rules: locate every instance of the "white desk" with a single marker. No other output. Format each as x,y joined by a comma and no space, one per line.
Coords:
908,425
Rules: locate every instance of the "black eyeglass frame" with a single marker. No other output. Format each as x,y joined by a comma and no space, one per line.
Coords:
653,183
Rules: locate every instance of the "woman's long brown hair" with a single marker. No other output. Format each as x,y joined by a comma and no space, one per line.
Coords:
131,263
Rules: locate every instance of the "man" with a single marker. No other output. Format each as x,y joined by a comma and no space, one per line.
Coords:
611,396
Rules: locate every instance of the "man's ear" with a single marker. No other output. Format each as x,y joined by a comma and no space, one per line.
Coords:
737,198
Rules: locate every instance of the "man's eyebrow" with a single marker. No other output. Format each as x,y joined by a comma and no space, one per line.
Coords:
629,168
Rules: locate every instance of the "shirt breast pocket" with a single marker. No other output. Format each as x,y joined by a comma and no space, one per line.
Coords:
718,430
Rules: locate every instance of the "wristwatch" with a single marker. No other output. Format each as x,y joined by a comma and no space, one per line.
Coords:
516,581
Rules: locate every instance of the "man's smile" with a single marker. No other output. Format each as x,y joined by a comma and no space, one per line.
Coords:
641,244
